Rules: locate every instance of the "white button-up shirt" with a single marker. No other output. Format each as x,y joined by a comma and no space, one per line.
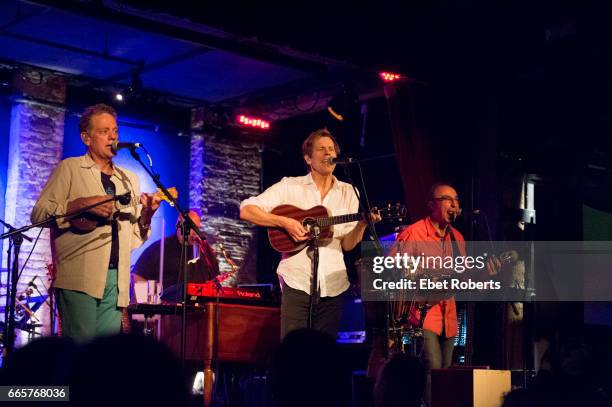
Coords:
295,270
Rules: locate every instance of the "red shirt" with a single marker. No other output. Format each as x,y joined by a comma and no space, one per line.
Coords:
444,312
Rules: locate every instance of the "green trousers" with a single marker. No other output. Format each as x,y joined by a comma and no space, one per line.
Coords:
85,317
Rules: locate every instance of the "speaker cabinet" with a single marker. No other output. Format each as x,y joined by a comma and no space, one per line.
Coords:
469,387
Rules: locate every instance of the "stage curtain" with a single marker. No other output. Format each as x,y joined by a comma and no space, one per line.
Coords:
412,145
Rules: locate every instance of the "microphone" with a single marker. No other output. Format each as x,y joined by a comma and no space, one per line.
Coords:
336,160
116,146
473,214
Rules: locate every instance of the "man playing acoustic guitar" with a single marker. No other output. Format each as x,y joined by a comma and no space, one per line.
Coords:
93,265
318,187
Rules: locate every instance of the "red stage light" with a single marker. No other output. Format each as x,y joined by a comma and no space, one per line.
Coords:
389,76
253,122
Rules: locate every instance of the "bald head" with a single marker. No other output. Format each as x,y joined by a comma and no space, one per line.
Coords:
443,204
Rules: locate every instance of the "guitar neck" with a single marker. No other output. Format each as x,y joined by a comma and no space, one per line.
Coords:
336,220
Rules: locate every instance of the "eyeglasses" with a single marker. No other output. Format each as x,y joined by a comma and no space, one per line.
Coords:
105,132
447,198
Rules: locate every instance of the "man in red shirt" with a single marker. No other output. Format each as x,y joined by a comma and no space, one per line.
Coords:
435,236
440,325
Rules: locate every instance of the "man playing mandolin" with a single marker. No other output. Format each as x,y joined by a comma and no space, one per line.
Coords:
318,187
92,252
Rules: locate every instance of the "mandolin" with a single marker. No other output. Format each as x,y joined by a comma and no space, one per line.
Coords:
319,216
86,222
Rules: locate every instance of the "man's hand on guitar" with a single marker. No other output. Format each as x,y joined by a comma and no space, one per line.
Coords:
295,229
150,202
374,217
493,265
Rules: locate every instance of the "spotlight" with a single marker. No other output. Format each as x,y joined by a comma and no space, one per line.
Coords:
389,76
133,90
254,122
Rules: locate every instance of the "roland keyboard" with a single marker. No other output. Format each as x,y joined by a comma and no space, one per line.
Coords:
251,293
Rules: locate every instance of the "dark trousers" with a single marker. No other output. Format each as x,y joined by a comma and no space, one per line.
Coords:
326,313
437,353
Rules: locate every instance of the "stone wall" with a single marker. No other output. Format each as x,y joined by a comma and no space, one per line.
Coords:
223,173
35,147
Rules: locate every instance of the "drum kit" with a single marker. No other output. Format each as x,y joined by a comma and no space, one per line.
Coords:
27,302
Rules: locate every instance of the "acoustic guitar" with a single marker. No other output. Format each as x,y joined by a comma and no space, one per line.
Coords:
319,217
86,222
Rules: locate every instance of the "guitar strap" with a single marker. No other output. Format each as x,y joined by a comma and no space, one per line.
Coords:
456,250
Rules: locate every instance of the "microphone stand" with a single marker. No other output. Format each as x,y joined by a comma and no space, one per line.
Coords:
364,202
314,284
11,285
208,373
365,207
214,360
17,236
188,225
